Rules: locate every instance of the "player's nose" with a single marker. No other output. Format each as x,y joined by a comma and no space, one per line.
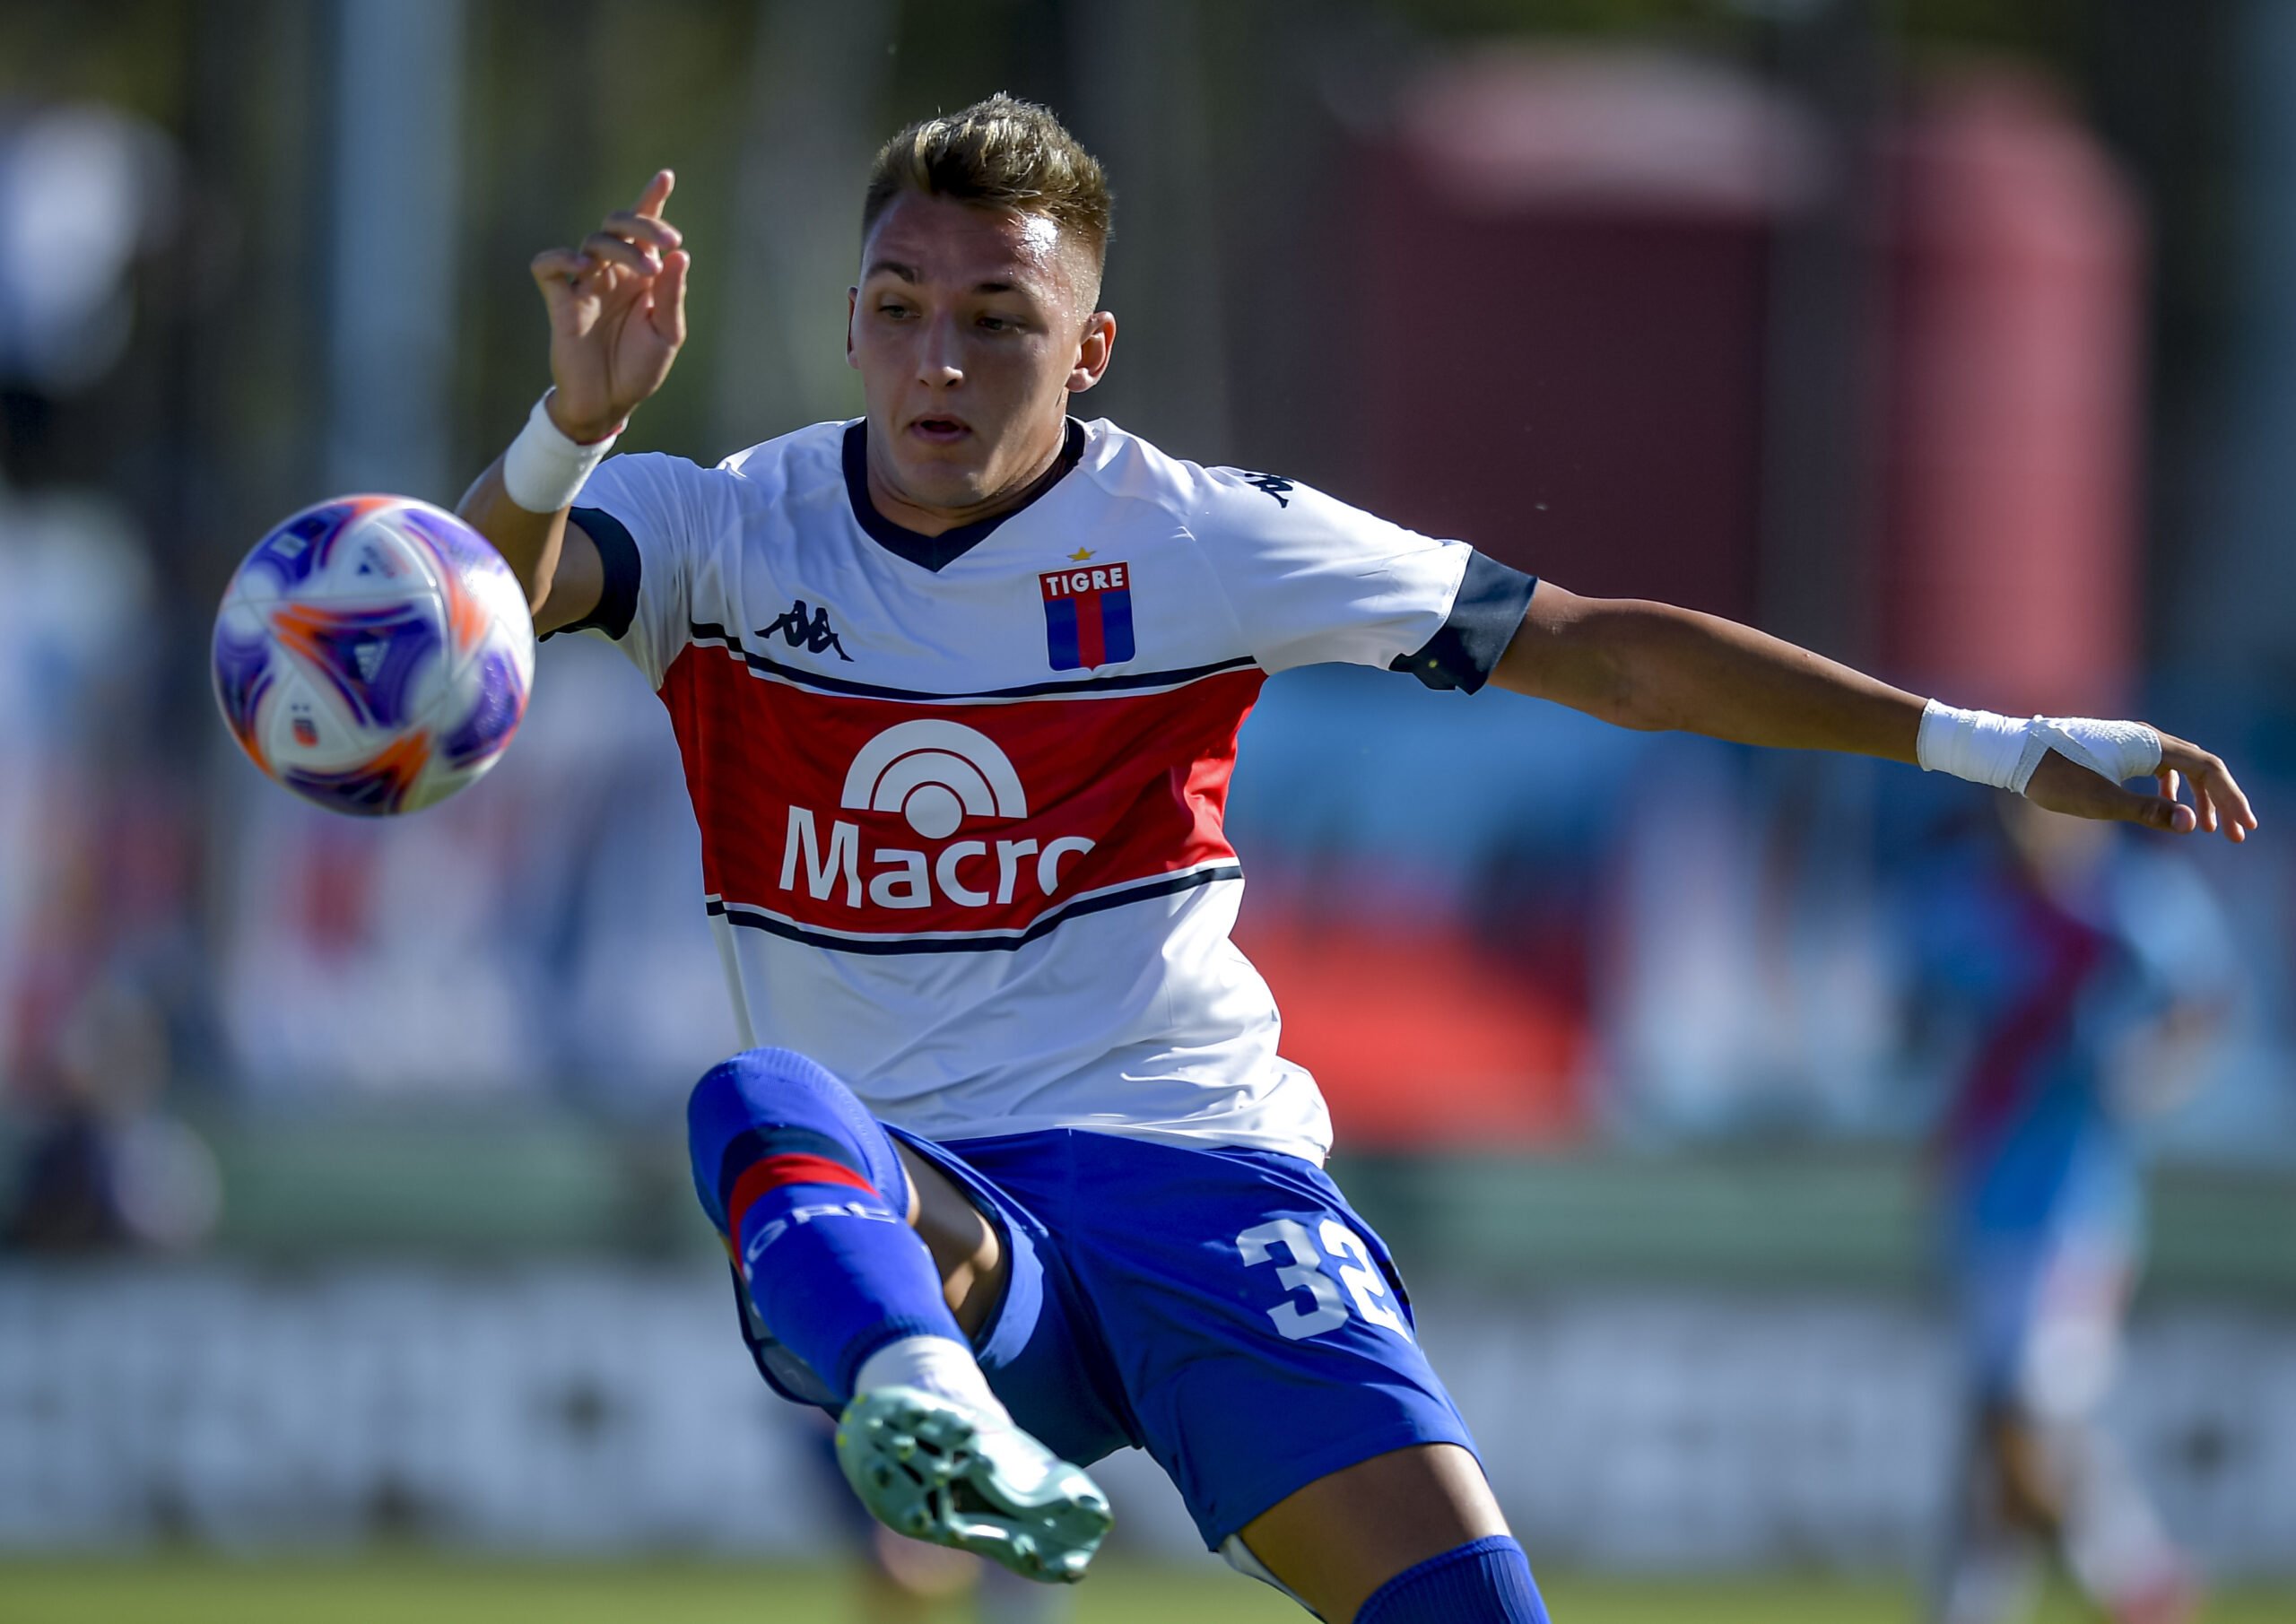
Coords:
938,363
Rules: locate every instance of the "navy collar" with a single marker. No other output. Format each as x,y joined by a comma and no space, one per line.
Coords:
936,552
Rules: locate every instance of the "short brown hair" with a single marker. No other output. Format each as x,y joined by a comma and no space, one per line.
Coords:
1001,154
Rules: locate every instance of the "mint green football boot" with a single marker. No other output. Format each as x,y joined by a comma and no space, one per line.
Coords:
935,1471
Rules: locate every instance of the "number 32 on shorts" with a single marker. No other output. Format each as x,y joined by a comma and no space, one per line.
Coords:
1304,1272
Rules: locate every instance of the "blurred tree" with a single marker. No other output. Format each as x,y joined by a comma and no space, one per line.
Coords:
1573,16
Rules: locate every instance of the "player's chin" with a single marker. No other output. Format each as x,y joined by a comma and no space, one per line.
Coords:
947,480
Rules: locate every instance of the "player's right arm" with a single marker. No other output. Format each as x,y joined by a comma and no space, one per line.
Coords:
617,320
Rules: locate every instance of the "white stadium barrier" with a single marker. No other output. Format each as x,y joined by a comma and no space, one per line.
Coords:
600,1407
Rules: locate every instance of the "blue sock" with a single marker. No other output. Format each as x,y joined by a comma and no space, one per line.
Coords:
1488,1582
805,1187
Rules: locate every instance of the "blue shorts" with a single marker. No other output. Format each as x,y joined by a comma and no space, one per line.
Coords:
1224,1309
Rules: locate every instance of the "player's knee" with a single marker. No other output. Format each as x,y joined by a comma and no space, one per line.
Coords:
1484,1582
764,1085
765,1101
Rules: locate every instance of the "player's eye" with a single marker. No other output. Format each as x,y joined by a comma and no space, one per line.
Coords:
996,324
892,307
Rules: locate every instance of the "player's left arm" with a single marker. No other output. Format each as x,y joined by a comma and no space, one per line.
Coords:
1654,666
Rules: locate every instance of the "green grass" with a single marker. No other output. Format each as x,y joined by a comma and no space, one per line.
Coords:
416,1589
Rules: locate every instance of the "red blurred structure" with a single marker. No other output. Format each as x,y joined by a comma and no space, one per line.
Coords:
2010,564
1420,1038
1583,296
1564,285
1587,396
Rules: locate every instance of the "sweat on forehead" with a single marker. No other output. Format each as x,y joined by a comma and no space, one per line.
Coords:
1039,234
930,238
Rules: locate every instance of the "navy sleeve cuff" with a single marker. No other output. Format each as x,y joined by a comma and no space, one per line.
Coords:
1484,618
618,554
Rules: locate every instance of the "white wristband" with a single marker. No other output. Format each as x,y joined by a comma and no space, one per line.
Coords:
1987,748
1978,745
544,470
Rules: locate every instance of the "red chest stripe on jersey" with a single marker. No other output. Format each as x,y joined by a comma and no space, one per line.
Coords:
889,826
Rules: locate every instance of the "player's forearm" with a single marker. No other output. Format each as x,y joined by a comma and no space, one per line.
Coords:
1654,666
529,542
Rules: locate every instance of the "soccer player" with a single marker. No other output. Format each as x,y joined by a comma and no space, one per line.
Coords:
1018,1177
2077,981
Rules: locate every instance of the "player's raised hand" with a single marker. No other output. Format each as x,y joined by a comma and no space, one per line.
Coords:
617,314
2218,804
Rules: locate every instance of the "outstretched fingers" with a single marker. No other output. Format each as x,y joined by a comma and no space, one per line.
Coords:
558,265
2163,812
2171,784
2217,796
642,230
603,248
667,313
559,273
617,313
2061,784
2218,803
631,248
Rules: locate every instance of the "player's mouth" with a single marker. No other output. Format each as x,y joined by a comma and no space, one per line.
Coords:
939,431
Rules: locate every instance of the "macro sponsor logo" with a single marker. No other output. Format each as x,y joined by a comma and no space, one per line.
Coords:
940,776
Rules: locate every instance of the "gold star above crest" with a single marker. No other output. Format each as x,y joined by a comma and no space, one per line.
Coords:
1080,555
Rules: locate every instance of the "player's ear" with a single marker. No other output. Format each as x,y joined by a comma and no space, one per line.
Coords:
852,304
1092,351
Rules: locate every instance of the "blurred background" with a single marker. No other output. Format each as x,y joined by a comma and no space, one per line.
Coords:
344,1215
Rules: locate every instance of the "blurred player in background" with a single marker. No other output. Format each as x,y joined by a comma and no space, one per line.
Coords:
2080,981
906,1581
1022,1176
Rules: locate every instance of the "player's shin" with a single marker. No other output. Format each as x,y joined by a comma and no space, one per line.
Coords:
810,1196
812,1200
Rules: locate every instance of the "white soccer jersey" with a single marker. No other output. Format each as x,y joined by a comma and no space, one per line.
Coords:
961,796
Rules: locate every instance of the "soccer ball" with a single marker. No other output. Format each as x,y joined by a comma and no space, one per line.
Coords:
373,655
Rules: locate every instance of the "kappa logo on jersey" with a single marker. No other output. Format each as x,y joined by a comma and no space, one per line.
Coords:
814,636
1273,484
1088,616
937,775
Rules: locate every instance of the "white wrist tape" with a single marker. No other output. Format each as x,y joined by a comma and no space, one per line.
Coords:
1978,745
2111,749
1987,748
544,470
